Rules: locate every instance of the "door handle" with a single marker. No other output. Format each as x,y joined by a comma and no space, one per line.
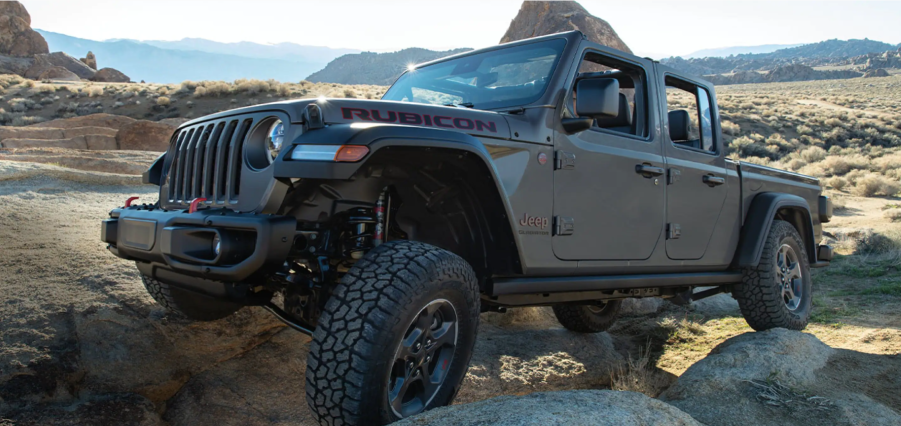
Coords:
648,170
712,181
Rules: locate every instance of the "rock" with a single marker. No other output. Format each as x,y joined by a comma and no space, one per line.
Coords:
537,18
110,75
554,359
16,36
47,61
77,142
111,121
101,142
7,132
577,407
14,65
122,409
90,60
119,162
641,306
58,73
797,380
145,135
878,72
715,306
90,130
177,121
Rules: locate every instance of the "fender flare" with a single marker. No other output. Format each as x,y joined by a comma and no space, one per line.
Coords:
386,136
760,218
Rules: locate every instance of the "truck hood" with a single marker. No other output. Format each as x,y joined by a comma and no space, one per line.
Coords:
340,110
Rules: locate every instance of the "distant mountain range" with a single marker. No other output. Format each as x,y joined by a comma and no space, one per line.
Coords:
375,68
721,52
198,59
829,52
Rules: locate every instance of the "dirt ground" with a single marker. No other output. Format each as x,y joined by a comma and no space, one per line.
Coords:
61,286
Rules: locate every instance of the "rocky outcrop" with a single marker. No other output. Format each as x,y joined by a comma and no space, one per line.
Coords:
110,75
786,377
128,164
90,60
111,121
145,136
374,68
47,61
578,407
878,72
537,18
785,73
58,73
16,36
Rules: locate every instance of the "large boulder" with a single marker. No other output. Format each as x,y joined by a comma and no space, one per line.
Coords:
16,36
77,142
47,61
58,73
145,135
14,65
110,75
578,407
90,60
787,377
878,72
537,18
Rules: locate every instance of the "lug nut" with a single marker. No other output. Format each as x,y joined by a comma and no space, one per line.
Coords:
411,365
428,342
418,346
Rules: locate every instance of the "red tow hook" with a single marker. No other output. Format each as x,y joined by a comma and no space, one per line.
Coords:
129,200
194,203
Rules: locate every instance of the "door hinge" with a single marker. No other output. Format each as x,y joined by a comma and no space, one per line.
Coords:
564,225
564,160
673,176
674,231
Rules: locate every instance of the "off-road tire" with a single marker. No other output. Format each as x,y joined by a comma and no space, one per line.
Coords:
361,328
189,305
583,319
760,293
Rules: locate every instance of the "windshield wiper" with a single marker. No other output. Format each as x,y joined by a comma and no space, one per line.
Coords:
461,104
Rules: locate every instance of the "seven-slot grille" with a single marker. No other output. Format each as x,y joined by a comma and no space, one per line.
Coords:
206,161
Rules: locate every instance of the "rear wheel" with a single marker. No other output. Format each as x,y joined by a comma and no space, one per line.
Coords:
395,337
188,304
778,291
593,318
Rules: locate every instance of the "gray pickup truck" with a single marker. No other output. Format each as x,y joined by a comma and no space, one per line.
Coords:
551,171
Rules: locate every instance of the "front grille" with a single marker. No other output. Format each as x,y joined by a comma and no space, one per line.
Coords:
206,161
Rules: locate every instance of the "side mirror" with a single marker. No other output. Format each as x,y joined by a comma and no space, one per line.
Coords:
597,98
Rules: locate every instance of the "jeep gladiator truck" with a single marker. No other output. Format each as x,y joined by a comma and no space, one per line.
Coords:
551,171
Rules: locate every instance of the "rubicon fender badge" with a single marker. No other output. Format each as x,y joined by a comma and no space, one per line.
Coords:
542,158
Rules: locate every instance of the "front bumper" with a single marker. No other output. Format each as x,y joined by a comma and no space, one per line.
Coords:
183,242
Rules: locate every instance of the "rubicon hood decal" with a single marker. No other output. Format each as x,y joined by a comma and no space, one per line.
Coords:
483,123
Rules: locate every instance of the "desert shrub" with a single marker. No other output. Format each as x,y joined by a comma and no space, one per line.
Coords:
26,121
837,182
873,184
28,83
350,93
252,86
874,243
162,101
813,154
94,91
893,215
747,147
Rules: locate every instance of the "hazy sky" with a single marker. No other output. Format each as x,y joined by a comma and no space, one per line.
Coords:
649,27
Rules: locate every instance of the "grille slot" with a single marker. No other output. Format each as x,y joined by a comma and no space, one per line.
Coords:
207,161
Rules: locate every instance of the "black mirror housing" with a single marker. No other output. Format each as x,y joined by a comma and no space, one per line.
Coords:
597,98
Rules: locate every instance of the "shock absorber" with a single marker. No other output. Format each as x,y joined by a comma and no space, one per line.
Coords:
362,227
380,224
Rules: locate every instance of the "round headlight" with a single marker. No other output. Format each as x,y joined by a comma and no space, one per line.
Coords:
275,138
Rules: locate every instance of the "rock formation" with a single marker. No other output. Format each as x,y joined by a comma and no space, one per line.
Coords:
90,60
878,72
58,73
98,132
46,61
575,407
145,136
110,75
537,18
16,36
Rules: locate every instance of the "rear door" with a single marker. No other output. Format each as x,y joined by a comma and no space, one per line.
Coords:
696,175
608,184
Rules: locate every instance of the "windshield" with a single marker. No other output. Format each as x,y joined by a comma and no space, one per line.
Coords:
496,79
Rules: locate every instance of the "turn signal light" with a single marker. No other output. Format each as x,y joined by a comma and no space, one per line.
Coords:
351,153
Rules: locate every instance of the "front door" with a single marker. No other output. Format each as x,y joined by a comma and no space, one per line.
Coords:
697,170
609,183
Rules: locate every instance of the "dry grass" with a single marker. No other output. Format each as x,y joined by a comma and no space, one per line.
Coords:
640,375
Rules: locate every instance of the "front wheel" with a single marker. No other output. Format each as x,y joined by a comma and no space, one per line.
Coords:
778,291
395,338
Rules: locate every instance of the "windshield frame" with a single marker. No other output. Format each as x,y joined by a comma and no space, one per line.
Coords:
562,56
